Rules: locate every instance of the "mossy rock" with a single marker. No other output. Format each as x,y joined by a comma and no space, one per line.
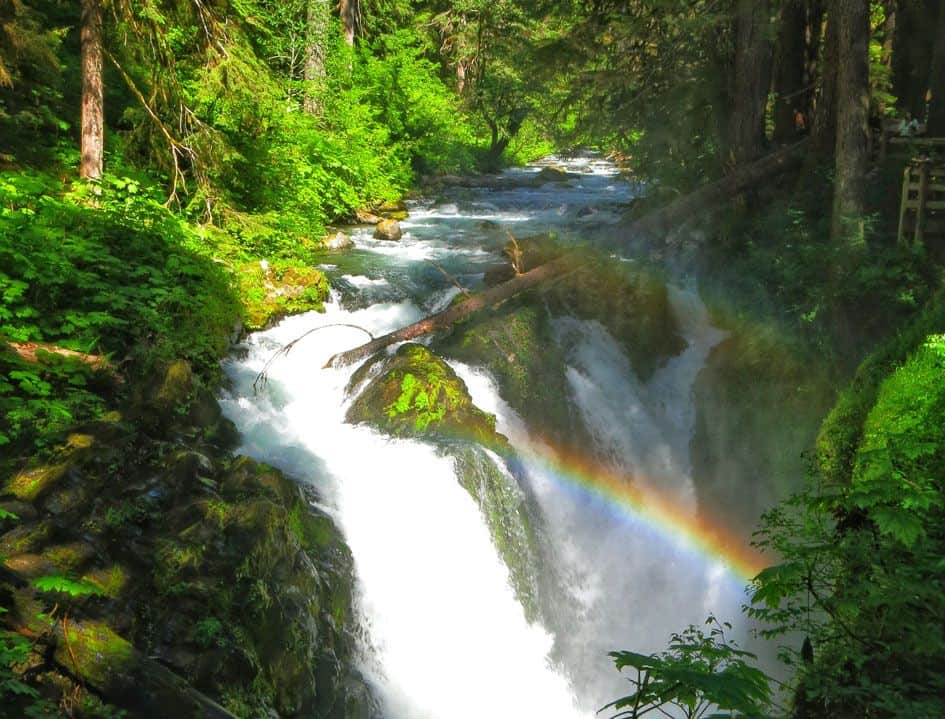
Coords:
271,291
417,394
39,477
177,384
505,510
632,304
516,344
758,403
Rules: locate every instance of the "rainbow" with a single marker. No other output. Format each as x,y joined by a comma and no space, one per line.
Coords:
712,541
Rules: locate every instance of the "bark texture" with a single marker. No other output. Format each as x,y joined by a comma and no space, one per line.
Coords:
92,161
350,11
313,71
789,79
937,79
824,125
752,78
853,100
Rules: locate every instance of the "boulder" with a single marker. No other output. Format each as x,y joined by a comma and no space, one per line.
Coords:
552,174
366,217
417,394
388,230
392,210
339,241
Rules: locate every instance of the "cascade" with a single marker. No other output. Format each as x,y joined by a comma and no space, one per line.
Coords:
444,635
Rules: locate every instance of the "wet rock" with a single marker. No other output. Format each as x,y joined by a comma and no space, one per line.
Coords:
552,174
366,217
515,342
417,394
396,210
504,509
338,241
388,230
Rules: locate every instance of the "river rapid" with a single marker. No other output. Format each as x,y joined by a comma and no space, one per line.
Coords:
443,634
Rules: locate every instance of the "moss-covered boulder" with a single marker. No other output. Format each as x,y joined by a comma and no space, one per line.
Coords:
505,510
415,393
631,302
392,210
388,230
758,402
221,569
270,291
515,342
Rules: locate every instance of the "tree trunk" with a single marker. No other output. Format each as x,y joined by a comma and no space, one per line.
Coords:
789,78
350,11
93,93
937,79
824,125
813,35
853,102
314,73
752,79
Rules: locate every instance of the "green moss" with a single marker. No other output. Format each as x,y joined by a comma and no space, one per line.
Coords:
95,652
515,343
418,394
281,288
504,509
69,558
36,480
111,580
26,538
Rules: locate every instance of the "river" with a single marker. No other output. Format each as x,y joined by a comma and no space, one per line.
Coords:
444,635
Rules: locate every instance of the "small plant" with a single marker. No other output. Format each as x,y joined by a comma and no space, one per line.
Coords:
699,672
209,632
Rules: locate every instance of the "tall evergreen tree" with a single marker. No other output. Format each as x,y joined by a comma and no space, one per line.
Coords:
93,91
853,101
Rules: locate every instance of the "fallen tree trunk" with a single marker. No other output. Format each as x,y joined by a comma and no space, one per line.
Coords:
653,224
456,313
706,198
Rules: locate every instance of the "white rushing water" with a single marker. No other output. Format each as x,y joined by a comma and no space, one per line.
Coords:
445,636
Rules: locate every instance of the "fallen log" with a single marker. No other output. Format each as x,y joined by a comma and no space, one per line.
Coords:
444,319
742,179
653,224
32,352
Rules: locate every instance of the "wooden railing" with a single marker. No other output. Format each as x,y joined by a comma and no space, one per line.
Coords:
922,211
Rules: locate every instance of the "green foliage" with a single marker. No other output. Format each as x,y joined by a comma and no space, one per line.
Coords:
697,674
421,114
861,570
16,694
109,272
63,585
208,633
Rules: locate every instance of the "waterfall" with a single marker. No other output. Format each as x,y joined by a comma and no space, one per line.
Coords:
445,635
